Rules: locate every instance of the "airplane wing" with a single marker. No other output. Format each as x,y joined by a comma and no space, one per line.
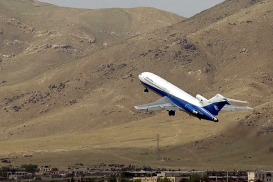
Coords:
239,101
163,103
235,108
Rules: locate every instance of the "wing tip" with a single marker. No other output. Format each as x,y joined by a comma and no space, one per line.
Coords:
239,101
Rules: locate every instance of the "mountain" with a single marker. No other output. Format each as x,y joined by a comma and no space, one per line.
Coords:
69,83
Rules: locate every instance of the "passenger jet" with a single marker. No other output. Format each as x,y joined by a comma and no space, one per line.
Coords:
176,99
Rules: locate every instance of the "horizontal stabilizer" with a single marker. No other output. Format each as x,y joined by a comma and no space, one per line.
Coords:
239,101
163,103
235,108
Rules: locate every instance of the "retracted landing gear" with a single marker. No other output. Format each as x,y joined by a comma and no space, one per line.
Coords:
171,113
146,90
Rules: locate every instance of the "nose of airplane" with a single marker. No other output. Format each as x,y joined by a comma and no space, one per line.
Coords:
141,77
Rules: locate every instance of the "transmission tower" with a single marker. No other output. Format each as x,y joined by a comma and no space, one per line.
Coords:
157,148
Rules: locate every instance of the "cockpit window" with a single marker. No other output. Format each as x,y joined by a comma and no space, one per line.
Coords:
149,79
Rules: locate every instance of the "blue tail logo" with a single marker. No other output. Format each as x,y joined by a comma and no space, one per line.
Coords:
216,108
217,103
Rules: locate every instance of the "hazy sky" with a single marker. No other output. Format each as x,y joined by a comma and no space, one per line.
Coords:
186,8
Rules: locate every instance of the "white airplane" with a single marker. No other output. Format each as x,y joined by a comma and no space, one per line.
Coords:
176,99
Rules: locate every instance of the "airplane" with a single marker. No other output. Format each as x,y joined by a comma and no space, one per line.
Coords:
174,99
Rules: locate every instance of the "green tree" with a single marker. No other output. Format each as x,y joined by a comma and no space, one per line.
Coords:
195,178
184,180
72,179
205,177
90,179
198,177
165,180
124,180
137,180
4,171
30,168
1,173
112,179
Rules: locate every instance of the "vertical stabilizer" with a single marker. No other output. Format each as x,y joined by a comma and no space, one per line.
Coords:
217,103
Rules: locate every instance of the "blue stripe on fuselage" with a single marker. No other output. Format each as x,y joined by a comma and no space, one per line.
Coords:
181,103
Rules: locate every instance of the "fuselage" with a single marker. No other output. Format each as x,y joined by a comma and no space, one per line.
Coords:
182,99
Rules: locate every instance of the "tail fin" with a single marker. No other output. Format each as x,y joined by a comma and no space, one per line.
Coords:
217,103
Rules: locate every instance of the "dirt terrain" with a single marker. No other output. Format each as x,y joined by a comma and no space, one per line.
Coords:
69,81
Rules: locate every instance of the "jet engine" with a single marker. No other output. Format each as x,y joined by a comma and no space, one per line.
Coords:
202,99
190,109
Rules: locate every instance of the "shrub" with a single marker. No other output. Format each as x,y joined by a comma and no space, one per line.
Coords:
30,168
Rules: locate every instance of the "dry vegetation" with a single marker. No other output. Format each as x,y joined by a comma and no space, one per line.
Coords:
68,84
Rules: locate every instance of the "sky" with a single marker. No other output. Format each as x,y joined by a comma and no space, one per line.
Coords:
186,8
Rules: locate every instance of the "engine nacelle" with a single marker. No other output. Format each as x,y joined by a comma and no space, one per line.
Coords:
202,100
193,110
190,109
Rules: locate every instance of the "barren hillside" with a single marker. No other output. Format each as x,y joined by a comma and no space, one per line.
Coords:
40,36
69,84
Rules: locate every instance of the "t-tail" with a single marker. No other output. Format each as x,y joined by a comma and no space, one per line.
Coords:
215,104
